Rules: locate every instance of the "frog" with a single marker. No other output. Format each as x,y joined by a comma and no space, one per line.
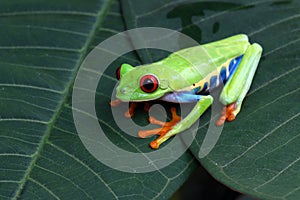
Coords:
188,76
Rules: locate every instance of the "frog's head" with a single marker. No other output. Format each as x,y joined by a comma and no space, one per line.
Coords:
143,83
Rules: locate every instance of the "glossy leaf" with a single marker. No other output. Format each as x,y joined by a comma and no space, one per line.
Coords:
259,152
42,45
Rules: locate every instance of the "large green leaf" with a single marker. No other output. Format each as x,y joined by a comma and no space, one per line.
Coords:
42,45
259,152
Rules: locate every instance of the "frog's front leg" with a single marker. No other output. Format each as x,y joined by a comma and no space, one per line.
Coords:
132,106
169,130
239,83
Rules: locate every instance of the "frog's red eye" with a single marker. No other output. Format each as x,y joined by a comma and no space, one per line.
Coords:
118,73
149,83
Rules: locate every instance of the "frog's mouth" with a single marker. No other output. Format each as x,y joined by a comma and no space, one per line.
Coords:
138,97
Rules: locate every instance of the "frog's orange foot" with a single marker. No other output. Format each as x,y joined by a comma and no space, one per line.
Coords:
114,103
130,112
227,114
166,127
132,106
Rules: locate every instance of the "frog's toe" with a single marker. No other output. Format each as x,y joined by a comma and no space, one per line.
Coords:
228,113
147,133
165,128
130,112
114,103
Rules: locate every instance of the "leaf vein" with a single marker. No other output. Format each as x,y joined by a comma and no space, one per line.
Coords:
30,87
8,181
274,24
17,139
271,102
22,120
291,192
273,80
65,178
260,140
158,9
45,188
84,165
281,47
16,154
48,12
48,29
27,103
40,48
37,67
278,174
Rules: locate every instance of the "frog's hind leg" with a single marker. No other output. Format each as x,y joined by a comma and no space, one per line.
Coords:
166,126
176,125
239,83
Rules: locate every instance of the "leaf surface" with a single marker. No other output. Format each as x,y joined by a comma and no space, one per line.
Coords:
259,152
42,45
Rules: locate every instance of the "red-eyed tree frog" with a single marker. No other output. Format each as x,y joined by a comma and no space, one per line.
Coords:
186,76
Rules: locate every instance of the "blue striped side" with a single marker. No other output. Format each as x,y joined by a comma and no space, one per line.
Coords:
233,65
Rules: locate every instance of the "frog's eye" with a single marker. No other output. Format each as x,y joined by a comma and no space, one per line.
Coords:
118,73
149,83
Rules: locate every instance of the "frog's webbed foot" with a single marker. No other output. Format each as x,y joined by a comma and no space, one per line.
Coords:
228,113
166,127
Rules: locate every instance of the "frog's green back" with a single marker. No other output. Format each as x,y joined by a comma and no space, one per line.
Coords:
197,62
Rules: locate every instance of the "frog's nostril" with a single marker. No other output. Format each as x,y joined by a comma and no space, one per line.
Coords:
123,90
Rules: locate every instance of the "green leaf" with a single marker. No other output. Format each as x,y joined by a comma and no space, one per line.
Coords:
42,45
259,152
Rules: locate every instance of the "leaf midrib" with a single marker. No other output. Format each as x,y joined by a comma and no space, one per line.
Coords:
99,20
